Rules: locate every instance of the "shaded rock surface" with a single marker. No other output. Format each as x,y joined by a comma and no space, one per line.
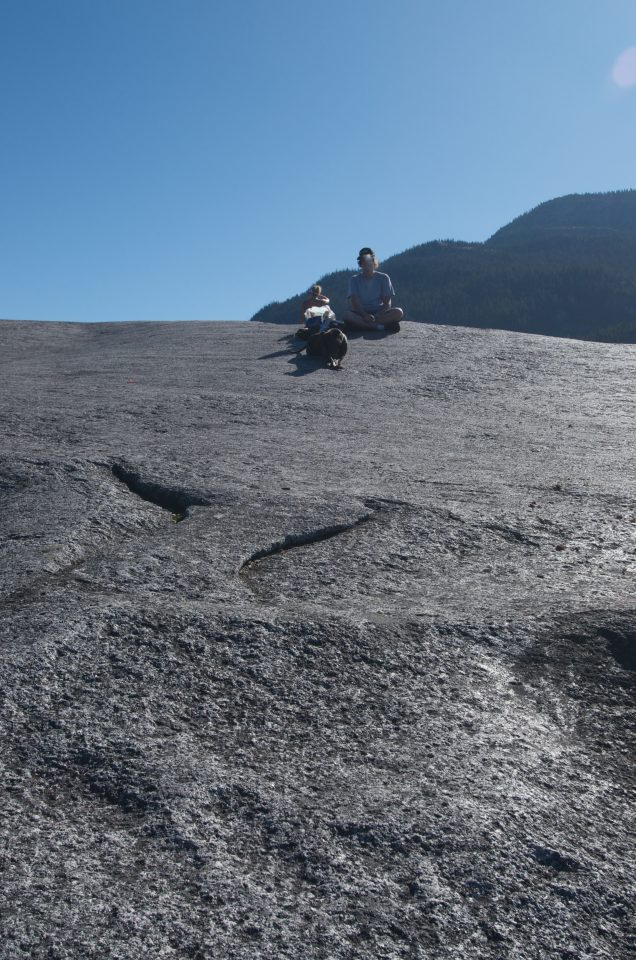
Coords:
305,664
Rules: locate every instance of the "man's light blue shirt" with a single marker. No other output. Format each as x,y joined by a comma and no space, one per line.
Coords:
371,291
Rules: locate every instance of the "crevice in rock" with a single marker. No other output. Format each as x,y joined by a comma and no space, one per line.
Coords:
512,534
548,857
622,646
293,540
173,499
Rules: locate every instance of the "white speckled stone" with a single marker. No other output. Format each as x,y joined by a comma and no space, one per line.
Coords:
307,664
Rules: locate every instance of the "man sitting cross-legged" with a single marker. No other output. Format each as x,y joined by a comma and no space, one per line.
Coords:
370,294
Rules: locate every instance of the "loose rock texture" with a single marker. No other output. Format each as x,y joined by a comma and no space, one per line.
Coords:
304,664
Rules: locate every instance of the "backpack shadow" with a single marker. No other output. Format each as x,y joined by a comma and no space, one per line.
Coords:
275,353
304,365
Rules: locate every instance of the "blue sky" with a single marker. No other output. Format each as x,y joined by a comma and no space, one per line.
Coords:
191,159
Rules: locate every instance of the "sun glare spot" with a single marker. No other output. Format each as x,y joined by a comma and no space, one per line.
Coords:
624,69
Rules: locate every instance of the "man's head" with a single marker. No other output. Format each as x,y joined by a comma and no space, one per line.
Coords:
367,260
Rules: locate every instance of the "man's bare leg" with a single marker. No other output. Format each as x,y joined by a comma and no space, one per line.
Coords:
358,322
392,315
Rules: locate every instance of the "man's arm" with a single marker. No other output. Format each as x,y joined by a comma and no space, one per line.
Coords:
387,292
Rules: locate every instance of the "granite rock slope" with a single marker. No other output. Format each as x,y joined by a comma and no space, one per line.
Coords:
298,663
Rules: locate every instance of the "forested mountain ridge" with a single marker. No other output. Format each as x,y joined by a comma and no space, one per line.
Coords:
566,268
594,212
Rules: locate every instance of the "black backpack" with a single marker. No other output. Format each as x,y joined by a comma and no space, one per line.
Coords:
332,345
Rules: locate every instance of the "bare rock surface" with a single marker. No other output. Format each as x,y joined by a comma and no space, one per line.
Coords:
298,663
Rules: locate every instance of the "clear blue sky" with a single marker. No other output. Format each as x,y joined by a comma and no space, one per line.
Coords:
193,159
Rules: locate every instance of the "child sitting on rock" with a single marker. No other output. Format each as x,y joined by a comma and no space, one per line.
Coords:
317,315
316,298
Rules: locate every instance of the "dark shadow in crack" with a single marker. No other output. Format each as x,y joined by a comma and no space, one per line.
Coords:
304,539
293,540
622,646
174,499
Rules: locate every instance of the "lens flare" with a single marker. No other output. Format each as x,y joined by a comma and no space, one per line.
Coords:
624,70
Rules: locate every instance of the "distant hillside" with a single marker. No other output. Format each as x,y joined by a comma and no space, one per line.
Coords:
594,212
566,268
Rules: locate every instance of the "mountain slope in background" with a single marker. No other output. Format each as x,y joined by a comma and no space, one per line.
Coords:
566,268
